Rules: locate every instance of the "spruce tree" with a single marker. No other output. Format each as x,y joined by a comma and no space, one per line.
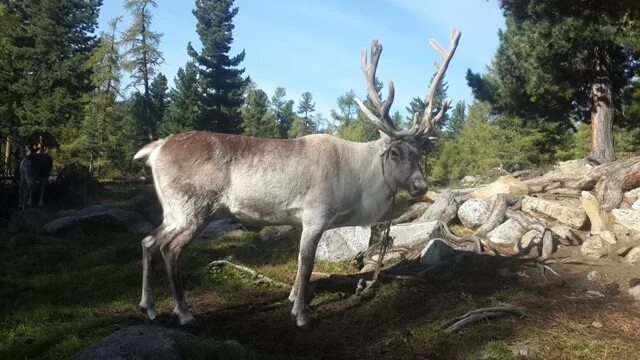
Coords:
456,121
306,106
220,78
185,108
347,109
257,119
283,111
143,56
159,97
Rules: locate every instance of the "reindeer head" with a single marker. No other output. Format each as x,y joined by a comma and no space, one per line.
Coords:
404,148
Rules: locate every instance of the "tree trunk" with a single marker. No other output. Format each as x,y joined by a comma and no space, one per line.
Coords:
7,156
602,123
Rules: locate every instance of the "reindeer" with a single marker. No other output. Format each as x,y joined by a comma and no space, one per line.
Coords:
34,173
317,181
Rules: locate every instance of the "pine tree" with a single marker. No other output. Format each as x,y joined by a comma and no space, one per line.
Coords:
456,121
562,61
185,108
159,97
257,119
301,127
43,53
347,107
283,111
221,79
143,56
306,106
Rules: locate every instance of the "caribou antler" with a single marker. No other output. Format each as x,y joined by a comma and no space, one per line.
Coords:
384,122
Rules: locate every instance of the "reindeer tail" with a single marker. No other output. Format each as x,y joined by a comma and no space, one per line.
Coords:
146,151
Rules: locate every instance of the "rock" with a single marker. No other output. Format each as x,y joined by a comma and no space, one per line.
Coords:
635,292
596,325
368,268
632,196
390,256
594,247
474,212
269,233
600,219
443,209
343,243
571,167
141,228
470,179
101,214
633,256
593,276
506,184
435,251
572,216
627,218
28,220
404,234
507,233
566,235
415,211
636,205
430,197
218,228
624,250
21,240
66,212
155,342
607,236
529,241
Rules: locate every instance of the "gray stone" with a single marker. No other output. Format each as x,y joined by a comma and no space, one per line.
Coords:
529,241
444,209
593,276
632,195
506,184
633,256
573,216
470,179
435,252
343,243
507,233
28,220
21,240
571,167
628,218
608,236
636,205
218,228
566,235
269,233
151,342
474,212
404,234
594,247
141,228
635,292
100,214
66,212
624,250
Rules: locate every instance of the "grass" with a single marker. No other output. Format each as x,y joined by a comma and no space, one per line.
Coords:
61,294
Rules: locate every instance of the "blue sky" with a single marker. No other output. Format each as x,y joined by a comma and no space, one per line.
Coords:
306,45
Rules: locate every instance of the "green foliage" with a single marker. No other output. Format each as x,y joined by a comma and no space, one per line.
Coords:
143,57
456,120
347,107
220,78
306,106
283,111
42,56
257,119
483,144
185,107
159,97
301,127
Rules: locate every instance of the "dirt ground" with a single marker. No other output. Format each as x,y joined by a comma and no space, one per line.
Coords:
62,294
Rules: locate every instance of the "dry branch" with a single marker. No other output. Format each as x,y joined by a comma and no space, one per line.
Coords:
257,275
477,315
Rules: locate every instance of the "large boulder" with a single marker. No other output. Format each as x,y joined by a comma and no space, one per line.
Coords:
506,184
218,228
444,209
507,233
566,234
141,228
28,220
101,215
594,247
633,256
151,342
632,196
629,218
404,234
435,252
270,233
571,215
528,242
575,168
474,212
343,243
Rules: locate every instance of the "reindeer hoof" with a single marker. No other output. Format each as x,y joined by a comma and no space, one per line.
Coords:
150,311
302,321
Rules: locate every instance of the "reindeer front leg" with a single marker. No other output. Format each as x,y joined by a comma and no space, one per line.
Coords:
43,184
311,234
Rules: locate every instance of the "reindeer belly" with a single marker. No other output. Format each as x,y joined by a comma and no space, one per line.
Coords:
254,211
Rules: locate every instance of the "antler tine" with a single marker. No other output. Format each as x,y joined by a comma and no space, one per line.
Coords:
436,119
384,122
427,121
